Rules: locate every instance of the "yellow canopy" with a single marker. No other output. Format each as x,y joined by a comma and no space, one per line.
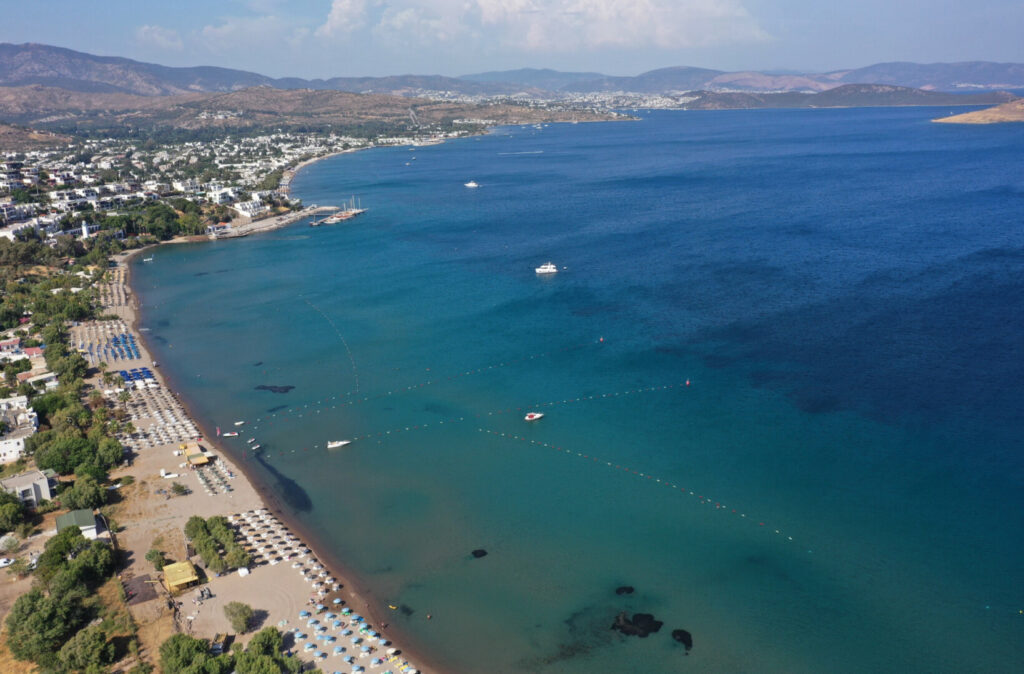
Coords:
180,575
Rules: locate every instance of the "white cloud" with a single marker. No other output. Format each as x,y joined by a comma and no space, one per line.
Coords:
549,25
242,33
160,37
345,16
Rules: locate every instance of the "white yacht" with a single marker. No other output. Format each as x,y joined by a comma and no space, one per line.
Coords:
334,444
471,183
547,268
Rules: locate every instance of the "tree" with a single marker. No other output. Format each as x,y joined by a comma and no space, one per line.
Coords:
124,397
240,615
87,493
156,557
236,557
87,649
182,654
37,625
179,489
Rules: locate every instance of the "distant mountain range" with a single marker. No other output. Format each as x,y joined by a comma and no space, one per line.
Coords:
29,64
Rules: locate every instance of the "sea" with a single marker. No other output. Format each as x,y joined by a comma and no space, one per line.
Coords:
781,368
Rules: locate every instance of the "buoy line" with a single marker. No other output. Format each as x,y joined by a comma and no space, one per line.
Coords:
340,400
700,498
351,360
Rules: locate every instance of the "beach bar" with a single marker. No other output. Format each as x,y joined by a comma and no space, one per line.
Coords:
180,576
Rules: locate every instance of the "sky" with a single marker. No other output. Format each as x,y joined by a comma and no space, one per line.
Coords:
327,38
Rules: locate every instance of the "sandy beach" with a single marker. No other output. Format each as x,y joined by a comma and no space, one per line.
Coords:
148,517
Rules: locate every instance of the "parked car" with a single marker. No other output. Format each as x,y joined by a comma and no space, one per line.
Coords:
6,561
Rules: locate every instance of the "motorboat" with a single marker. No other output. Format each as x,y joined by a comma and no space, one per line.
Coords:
471,183
533,416
251,440
334,444
231,434
239,423
547,268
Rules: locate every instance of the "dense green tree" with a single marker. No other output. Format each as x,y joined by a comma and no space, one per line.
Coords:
240,615
38,625
195,527
182,654
64,453
236,557
12,511
87,649
87,493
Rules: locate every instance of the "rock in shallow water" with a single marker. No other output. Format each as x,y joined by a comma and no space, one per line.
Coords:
641,625
683,637
274,389
480,552
625,589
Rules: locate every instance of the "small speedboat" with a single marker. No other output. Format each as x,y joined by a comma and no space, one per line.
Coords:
471,183
533,416
334,444
239,423
251,440
255,447
547,268
230,434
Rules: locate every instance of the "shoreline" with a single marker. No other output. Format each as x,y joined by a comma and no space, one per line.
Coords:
353,588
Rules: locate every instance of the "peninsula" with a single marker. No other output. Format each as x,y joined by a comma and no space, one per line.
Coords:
1007,112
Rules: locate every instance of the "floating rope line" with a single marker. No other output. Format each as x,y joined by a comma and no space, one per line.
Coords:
340,400
507,410
700,498
351,360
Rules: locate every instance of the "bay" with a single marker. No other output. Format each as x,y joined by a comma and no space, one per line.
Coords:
838,488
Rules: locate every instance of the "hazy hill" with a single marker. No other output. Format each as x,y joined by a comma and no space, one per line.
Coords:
57,67
679,78
940,76
28,64
256,108
845,96
1007,112
543,78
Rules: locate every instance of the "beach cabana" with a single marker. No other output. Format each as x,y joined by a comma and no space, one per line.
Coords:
179,576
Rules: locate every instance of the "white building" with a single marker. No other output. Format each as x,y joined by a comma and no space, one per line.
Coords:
20,422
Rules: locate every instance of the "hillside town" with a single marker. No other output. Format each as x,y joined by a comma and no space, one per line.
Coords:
49,193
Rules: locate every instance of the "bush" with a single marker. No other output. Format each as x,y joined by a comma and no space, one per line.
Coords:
157,559
240,615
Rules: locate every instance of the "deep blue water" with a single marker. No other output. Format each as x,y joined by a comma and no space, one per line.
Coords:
844,290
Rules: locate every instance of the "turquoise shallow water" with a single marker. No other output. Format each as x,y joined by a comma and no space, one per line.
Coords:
843,290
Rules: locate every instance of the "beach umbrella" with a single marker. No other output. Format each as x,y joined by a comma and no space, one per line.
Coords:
321,654
346,611
365,649
321,628
358,618
358,668
345,633
304,614
339,649
330,616
320,607
376,661
349,658
337,600
337,623
310,646
357,640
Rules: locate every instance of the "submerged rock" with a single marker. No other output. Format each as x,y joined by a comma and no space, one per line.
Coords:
641,625
625,589
683,637
274,389
479,552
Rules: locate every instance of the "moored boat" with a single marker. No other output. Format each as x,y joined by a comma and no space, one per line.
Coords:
533,416
334,444
230,434
471,183
239,423
547,268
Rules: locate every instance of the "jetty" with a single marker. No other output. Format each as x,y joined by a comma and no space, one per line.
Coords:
271,223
